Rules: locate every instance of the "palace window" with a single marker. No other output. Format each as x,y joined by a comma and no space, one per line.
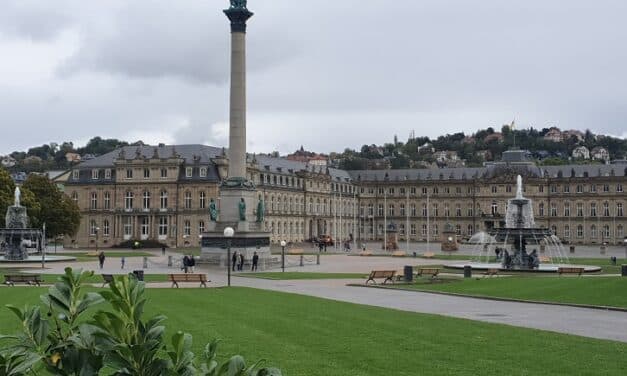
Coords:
494,189
128,226
593,209
580,231
391,191
164,173
371,210
579,188
129,173
469,230
145,226
413,210
189,172
146,173
619,231
567,231
494,209
107,200
606,209
188,200
434,211
424,190
606,187
508,188
401,229
412,228
402,191
391,210
447,211
553,209
458,190
567,209
402,209
202,198
469,211
201,227
146,200
541,209
163,200
553,188
424,210
593,232
163,226
106,228
580,209
93,228
619,209
75,174
606,232
95,174
434,229
458,210
108,174
187,228
619,188
436,190
424,230
203,172
128,200
541,188
380,210
593,188
412,190
566,188
94,201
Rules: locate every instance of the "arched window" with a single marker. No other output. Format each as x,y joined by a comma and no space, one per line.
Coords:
187,228
106,228
75,197
606,209
606,232
593,232
580,231
619,231
107,200
201,227
567,231
93,227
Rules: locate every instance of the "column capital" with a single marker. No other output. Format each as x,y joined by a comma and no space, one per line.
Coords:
238,17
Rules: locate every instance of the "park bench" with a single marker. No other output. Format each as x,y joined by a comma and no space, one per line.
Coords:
399,254
428,255
108,278
387,274
176,278
565,270
433,272
30,279
365,253
490,272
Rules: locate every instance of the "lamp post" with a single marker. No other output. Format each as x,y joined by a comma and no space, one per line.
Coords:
625,243
228,234
283,244
97,231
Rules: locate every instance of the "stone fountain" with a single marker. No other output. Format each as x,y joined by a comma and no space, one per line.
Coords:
510,243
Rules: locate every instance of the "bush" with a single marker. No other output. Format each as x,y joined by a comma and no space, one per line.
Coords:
116,341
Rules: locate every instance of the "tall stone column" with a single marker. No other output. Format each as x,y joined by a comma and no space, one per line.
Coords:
238,14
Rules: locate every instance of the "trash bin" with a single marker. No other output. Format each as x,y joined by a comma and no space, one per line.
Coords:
467,271
623,270
139,274
572,249
408,273
170,261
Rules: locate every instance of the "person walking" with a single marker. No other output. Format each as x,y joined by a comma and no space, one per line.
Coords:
185,263
192,263
234,260
101,259
255,261
122,262
241,262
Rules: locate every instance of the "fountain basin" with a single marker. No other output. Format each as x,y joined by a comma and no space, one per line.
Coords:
36,259
543,268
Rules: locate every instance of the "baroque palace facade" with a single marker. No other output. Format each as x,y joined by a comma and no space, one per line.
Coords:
162,193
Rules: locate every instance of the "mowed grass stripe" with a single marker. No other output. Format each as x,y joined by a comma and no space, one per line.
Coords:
312,336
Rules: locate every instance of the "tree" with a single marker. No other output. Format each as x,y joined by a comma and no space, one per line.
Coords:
60,214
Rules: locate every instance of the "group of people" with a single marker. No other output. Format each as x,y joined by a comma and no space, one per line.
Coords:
102,257
189,262
237,261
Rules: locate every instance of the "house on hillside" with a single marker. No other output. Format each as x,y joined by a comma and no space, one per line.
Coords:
600,153
554,134
566,135
8,161
445,156
72,157
581,152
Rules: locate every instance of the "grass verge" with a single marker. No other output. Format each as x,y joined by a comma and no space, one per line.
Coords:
304,275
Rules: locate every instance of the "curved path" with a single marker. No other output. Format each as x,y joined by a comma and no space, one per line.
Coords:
585,322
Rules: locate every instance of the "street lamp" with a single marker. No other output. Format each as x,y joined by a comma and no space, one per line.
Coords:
625,243
228,234
97,231
283,244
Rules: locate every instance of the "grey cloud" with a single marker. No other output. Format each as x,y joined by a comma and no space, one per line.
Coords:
34,20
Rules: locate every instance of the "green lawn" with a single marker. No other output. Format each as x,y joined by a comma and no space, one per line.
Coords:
311,336
304,275
96,278
606,291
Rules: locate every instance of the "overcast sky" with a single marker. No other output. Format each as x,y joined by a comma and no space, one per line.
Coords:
326,74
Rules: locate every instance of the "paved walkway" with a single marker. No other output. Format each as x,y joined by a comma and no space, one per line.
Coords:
580,321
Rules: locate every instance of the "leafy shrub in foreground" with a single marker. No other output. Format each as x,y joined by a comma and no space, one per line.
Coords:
113,342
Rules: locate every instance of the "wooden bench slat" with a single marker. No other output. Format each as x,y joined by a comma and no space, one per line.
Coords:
387,274
11,279
176,278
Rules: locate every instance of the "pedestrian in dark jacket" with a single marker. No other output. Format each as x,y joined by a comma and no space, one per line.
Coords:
241,262
185,263
234,260
192,263
255,261
101,259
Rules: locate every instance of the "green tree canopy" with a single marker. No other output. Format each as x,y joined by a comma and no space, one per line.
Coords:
60,214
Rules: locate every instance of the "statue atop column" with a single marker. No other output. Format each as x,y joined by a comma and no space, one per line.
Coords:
238,4
242,210
17,196
213,211
260,210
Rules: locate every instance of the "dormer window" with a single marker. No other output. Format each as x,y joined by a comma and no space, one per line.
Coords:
75,174
188,172
108,174
203,172
95,174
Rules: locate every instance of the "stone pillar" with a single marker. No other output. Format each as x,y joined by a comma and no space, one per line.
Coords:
237,129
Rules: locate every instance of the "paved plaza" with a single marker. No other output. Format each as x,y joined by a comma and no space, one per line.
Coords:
579,321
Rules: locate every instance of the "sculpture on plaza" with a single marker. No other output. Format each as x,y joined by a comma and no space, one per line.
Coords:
242,210
260,210
17,232
213,211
